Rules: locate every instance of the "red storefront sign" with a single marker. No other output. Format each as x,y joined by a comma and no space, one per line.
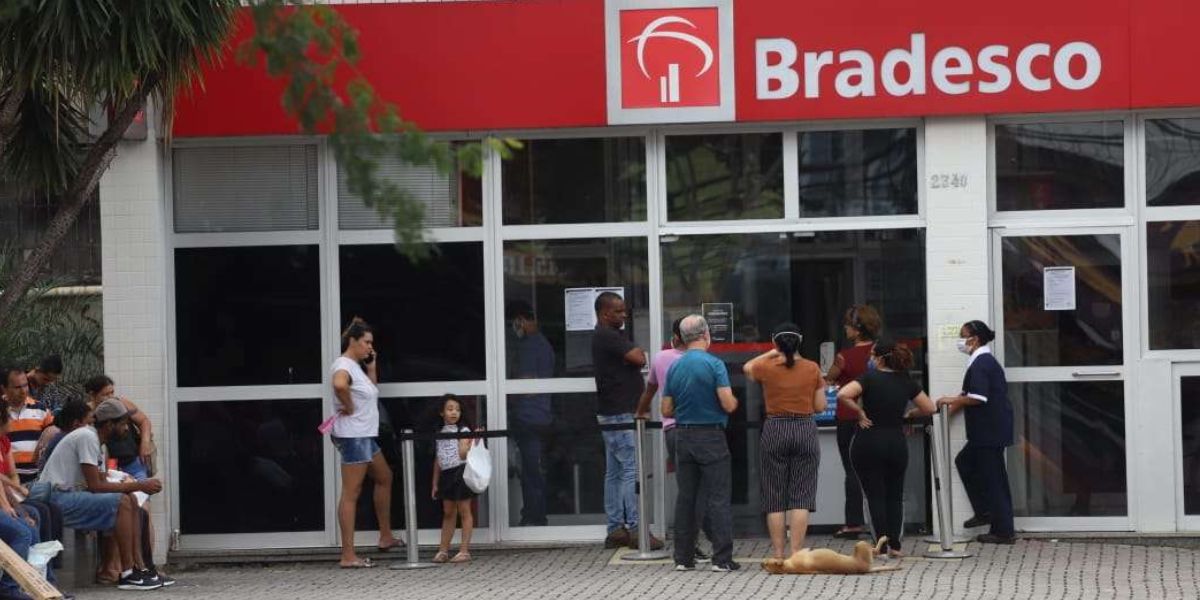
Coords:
513,64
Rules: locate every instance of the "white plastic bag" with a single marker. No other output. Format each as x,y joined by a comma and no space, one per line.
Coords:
478,472
40,555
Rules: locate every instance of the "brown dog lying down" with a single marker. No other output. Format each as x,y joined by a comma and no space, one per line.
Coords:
828,562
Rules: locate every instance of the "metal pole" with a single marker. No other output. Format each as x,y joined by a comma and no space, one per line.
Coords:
410,506
941,478
644,552
943,424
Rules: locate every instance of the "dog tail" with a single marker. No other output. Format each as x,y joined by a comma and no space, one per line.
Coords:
879,545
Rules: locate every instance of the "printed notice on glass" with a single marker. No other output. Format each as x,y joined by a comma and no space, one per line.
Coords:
580,304
1058,288
720,321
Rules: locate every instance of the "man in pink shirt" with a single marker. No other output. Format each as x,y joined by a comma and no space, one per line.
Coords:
659,367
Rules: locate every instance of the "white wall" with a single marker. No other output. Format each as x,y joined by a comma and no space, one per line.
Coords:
132,265
956,251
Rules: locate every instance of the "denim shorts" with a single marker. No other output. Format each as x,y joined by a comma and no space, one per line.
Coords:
356,451
86,510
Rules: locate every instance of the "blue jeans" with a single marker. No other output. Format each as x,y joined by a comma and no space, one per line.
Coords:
19,535
620,473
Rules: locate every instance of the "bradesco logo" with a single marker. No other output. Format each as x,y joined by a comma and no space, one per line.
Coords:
674,51
671,62
780,71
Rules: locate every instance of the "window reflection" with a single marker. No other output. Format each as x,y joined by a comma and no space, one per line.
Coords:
556,460
1069,457
247,316
575,181
1173,262
856,173
1172,162
250,467
725,177
1057,166
536,277
1090,334
427,316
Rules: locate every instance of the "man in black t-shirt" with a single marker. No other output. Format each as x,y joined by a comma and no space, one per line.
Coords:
618,366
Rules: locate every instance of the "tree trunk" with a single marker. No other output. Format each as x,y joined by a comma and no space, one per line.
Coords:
98,158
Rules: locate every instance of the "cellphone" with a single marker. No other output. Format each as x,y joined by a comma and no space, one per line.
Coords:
369,359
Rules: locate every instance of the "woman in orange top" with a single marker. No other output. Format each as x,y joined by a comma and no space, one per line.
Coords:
790,449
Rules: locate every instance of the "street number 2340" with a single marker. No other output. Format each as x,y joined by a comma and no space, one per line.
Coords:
952,181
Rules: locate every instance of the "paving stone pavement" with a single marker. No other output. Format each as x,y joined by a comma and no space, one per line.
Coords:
1029,569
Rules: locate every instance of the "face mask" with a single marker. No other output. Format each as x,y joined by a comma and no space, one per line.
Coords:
961,343
517,329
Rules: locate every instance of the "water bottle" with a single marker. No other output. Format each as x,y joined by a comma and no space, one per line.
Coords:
830,401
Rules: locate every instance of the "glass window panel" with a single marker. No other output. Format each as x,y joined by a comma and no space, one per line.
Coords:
250,466
1173,162
1089,335
1189,414
736,176
245,188
810,280
427,316
1058,166
596,180
247,316
857,173
556,460
536,275
1173,262
421,415
1069,457
450,200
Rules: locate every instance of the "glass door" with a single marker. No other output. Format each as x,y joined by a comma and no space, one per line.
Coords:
1186,399
1064,310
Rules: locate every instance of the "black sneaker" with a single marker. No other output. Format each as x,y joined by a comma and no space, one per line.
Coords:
138,580
685,567
977,521
159,577
726,567
700,556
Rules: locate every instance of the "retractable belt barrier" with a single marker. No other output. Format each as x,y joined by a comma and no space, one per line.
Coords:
941,478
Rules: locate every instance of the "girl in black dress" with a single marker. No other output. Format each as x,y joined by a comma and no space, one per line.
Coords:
879,452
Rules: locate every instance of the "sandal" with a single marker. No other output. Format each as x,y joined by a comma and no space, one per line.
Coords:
362,563
461,557
441,557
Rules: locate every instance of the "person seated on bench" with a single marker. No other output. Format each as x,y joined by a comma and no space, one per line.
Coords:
73,481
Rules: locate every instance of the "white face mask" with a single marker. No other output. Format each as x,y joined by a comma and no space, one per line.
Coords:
961,344
517,329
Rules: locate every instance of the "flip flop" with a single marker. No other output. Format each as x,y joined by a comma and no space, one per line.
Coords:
362,563
846,533
461,557
396,543
441,557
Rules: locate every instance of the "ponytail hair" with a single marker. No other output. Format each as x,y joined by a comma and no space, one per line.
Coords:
787,340
895,356
354,331
980,330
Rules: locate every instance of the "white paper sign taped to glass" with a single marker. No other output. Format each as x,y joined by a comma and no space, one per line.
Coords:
1058,285
720,321
580,306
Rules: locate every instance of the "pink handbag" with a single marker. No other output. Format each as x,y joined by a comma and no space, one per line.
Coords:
327,425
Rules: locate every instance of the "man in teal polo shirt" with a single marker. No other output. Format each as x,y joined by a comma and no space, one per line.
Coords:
698,395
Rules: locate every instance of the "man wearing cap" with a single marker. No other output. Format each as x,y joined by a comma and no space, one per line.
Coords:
72,480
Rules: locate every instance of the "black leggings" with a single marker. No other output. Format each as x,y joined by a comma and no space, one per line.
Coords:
880,457
853,493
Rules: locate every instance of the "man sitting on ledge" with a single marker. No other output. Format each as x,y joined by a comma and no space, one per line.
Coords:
72,480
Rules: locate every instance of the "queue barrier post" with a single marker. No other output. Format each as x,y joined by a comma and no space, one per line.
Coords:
941,478
410,507
644,552
942,423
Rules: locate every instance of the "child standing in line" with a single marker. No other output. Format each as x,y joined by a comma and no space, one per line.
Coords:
448,484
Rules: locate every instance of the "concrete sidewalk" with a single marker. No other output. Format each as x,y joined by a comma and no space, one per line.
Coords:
1029,569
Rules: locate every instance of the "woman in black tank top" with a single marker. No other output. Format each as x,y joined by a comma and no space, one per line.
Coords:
879,451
